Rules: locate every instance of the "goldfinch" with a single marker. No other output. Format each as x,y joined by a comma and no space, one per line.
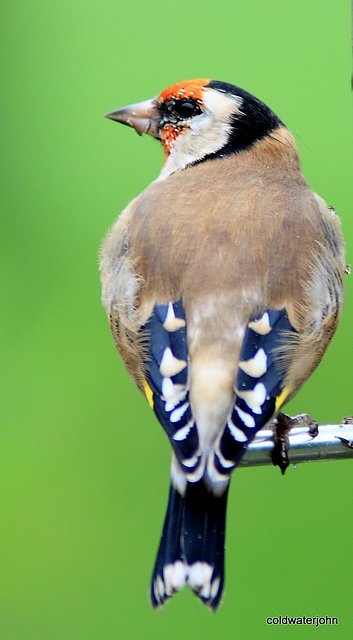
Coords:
222,283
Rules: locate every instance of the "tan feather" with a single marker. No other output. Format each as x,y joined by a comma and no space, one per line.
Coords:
254,238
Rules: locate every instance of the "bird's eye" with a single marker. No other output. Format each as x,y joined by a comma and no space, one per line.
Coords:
186,108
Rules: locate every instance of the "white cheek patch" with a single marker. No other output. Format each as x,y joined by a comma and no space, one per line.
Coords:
205,134
222,105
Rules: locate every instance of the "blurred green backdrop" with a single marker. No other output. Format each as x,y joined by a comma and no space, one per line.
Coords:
82,510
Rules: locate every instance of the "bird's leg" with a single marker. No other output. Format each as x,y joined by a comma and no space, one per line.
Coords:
281,428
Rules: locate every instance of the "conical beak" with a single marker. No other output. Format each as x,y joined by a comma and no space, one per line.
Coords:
142,116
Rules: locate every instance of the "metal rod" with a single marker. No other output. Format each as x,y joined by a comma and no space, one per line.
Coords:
333,442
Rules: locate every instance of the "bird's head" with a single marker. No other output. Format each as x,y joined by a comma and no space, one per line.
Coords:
200,119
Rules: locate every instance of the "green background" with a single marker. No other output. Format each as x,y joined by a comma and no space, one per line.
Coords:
83,464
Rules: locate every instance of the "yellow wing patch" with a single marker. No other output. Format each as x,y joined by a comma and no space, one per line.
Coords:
280,400
148,393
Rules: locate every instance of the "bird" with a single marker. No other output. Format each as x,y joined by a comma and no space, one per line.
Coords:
223,286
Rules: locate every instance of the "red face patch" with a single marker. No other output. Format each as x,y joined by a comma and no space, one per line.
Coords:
168,136
184,89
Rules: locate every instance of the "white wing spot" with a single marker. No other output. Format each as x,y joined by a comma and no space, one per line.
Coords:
172,323
262,325
178,413
226,464
182,433
246,418
213,473
255,398
256,366
196,475
172,393
236,432
190,462
256,410
170,365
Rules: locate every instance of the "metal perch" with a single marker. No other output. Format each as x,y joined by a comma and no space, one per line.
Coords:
333,442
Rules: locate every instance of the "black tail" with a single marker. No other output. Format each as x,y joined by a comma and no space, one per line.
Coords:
192,546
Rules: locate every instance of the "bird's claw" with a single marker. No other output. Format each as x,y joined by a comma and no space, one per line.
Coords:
281,428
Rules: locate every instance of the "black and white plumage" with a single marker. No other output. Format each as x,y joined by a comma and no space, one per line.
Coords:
223,286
